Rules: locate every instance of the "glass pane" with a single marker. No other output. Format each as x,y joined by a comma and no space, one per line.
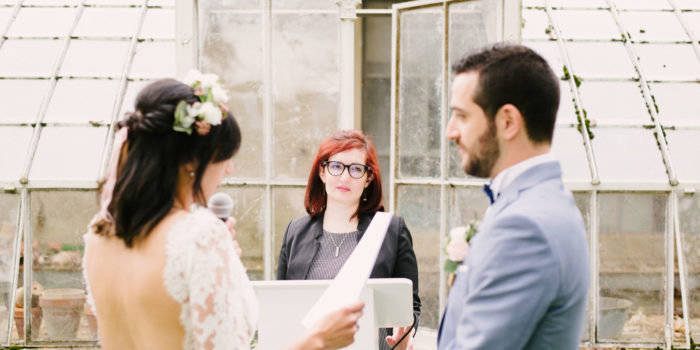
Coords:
628,155
566,113
535,24
250,227
688,209
576,24
29,58
9,210
68,153
568,148
465,204
420,92
229,4
98,107
692,19
654,25
114,2
21,99
47,2
424,226
683,146
95,58
54,22
159,24
154,60
642,5
101,22
305,89
677,101
287,204
569,3
471,25
608,60
376,89
233,48
583,200
668,61
632,266
304,5
688,5
58,248
612,101
14,141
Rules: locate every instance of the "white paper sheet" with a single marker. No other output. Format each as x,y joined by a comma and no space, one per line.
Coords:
350,281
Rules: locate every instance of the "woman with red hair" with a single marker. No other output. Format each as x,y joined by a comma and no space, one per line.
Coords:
343,194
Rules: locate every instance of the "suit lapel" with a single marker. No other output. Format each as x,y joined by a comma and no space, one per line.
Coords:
315,233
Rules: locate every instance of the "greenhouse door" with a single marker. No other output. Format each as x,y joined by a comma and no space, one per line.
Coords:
427,36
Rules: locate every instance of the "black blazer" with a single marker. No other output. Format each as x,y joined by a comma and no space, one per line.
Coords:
396,257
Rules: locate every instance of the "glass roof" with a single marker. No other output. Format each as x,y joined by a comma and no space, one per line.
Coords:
629,70
68,69
630,73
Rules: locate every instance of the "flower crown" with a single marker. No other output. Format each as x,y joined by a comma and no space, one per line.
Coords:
211,108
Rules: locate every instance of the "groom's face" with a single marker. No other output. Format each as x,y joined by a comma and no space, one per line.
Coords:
471,130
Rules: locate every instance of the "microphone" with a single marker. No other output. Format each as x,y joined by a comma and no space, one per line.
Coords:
221,205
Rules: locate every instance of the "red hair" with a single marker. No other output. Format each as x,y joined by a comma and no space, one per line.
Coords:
315,198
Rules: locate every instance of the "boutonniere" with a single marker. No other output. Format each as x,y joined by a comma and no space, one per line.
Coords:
458,244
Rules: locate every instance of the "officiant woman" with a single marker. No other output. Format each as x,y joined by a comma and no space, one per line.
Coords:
343,194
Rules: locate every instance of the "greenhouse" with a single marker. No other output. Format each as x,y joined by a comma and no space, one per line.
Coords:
627,134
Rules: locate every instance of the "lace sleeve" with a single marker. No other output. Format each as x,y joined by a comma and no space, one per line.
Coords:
209,281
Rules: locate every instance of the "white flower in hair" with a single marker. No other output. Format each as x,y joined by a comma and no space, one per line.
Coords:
192,77
210,113
219,93
211,108
209,80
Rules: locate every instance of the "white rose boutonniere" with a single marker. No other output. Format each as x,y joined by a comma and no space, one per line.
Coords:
458,245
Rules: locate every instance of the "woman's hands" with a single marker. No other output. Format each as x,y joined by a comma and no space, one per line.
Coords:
336,330
406,344
231,223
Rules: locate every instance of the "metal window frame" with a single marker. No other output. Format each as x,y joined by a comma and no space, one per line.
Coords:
26,187
187,57
510,31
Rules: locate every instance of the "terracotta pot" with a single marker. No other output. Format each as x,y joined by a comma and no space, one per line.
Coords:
62,309
36,321
92,321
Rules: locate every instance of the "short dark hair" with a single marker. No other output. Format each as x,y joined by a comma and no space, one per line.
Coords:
153,153
517,75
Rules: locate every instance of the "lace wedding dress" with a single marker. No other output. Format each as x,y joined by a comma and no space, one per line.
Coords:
205,276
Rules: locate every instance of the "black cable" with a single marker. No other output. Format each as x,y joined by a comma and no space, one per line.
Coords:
407,333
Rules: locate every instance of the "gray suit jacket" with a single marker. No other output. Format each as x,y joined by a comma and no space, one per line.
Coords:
524,282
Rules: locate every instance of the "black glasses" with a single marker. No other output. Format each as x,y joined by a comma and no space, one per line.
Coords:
355,170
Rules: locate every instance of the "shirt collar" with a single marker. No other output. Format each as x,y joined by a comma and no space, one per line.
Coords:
505,177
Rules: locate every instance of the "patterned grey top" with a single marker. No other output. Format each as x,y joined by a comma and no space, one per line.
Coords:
335,249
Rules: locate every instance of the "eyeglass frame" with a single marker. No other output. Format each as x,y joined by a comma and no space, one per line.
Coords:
366,168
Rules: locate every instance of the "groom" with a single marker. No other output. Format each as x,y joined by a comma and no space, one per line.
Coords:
524,283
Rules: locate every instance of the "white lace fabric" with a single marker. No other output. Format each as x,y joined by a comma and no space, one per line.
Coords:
206,277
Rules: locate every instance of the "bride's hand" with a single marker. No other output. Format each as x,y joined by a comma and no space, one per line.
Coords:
231,223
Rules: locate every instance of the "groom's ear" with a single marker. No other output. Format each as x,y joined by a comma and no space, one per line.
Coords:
509,121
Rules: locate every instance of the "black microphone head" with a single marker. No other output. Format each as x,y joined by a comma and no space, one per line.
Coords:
220,204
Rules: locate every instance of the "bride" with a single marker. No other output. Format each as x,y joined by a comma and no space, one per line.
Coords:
160,274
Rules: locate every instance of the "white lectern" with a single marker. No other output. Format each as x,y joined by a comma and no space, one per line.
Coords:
283,304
